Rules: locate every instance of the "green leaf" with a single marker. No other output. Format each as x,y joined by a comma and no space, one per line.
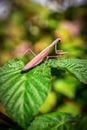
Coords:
23,93
53,121
69,107
78,67
66,87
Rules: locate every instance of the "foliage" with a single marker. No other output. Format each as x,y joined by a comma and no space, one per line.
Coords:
53,121
23,93
78,67
22,90
58,85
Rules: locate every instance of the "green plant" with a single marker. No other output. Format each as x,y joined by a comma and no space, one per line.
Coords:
22,94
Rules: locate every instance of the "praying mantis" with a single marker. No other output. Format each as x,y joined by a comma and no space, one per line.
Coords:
43,54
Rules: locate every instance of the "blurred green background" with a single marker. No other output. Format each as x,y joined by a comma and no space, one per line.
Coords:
35,24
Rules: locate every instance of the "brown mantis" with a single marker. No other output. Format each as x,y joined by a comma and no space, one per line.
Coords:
39,58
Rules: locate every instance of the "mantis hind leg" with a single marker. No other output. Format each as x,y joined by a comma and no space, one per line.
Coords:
25,54
29,50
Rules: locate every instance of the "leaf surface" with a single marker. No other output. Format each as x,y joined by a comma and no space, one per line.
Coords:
78,67
53,121
23,93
